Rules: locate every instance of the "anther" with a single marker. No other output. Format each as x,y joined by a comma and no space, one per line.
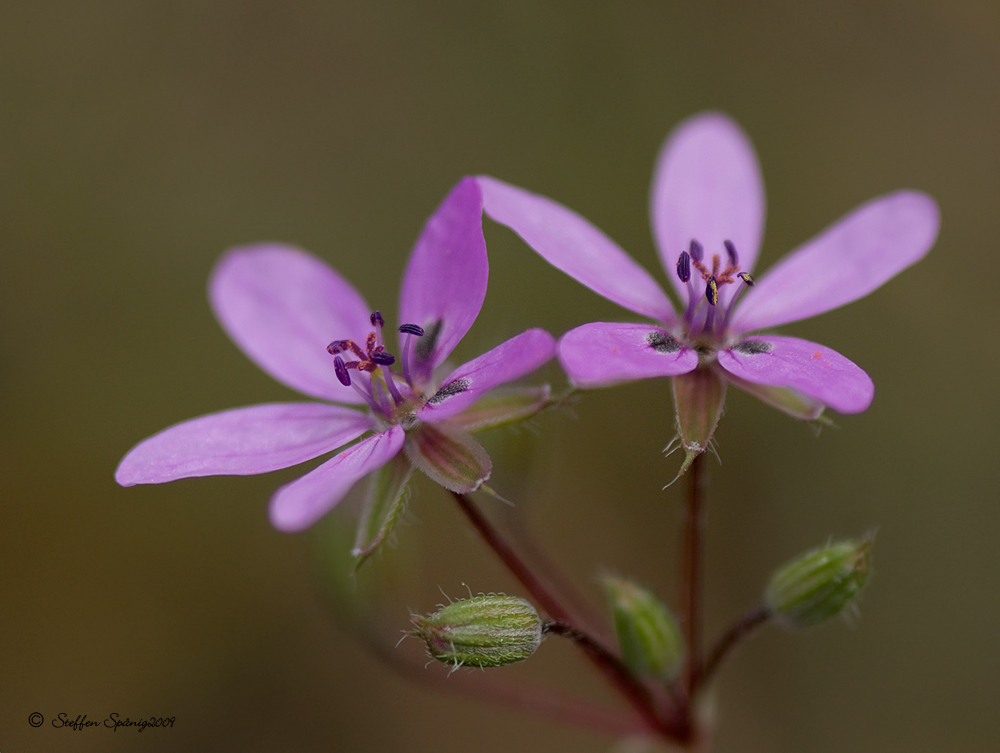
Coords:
411,329
377,320
684,266
337,346
712,291
697,252
382,358
731,251
745,276
341,371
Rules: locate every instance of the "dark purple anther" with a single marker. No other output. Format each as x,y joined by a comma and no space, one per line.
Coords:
382,358
411,329
341,371
337,346
377,320
745,276
712,291
734,260
684,266
697,252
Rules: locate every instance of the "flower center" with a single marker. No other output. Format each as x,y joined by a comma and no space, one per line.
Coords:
379,389
703,317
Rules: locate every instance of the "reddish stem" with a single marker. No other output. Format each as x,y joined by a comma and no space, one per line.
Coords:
670,725
694,522
738,631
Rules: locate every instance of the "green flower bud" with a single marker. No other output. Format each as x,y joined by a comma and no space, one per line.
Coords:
820,584
485,631
648,636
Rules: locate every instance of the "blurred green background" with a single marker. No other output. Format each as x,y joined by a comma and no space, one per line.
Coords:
139,140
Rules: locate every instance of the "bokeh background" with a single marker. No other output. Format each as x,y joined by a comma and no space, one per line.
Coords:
139,140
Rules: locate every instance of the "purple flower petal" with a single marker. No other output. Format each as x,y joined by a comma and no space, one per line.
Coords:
846,261
813,370
707,186
600,354
301,503
445,282
244,441
570,243
508,361
282,307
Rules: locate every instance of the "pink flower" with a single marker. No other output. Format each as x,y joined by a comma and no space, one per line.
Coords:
283,307
707,210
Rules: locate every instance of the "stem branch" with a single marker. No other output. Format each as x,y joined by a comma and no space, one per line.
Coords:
738,631
669,725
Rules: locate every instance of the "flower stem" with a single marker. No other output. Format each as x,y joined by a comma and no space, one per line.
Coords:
668,724
694,521
739,630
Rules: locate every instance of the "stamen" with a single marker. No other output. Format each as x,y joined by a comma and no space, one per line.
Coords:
684,266
416,331
391,384
378,392
712,290
747,283
382,358
697,252
377,320
341,371
734,260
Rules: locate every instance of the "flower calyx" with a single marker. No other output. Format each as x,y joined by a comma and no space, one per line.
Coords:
489,630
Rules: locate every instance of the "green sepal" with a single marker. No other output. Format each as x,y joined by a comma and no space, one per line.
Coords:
386,500
489,630
795,404
449,456
649,637
821,583
699,397
504,406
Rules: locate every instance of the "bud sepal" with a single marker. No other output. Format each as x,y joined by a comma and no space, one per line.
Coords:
649,637
821,583
489,630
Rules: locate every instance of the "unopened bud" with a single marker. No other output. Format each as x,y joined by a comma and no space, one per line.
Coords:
648,636
484,631
820,584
